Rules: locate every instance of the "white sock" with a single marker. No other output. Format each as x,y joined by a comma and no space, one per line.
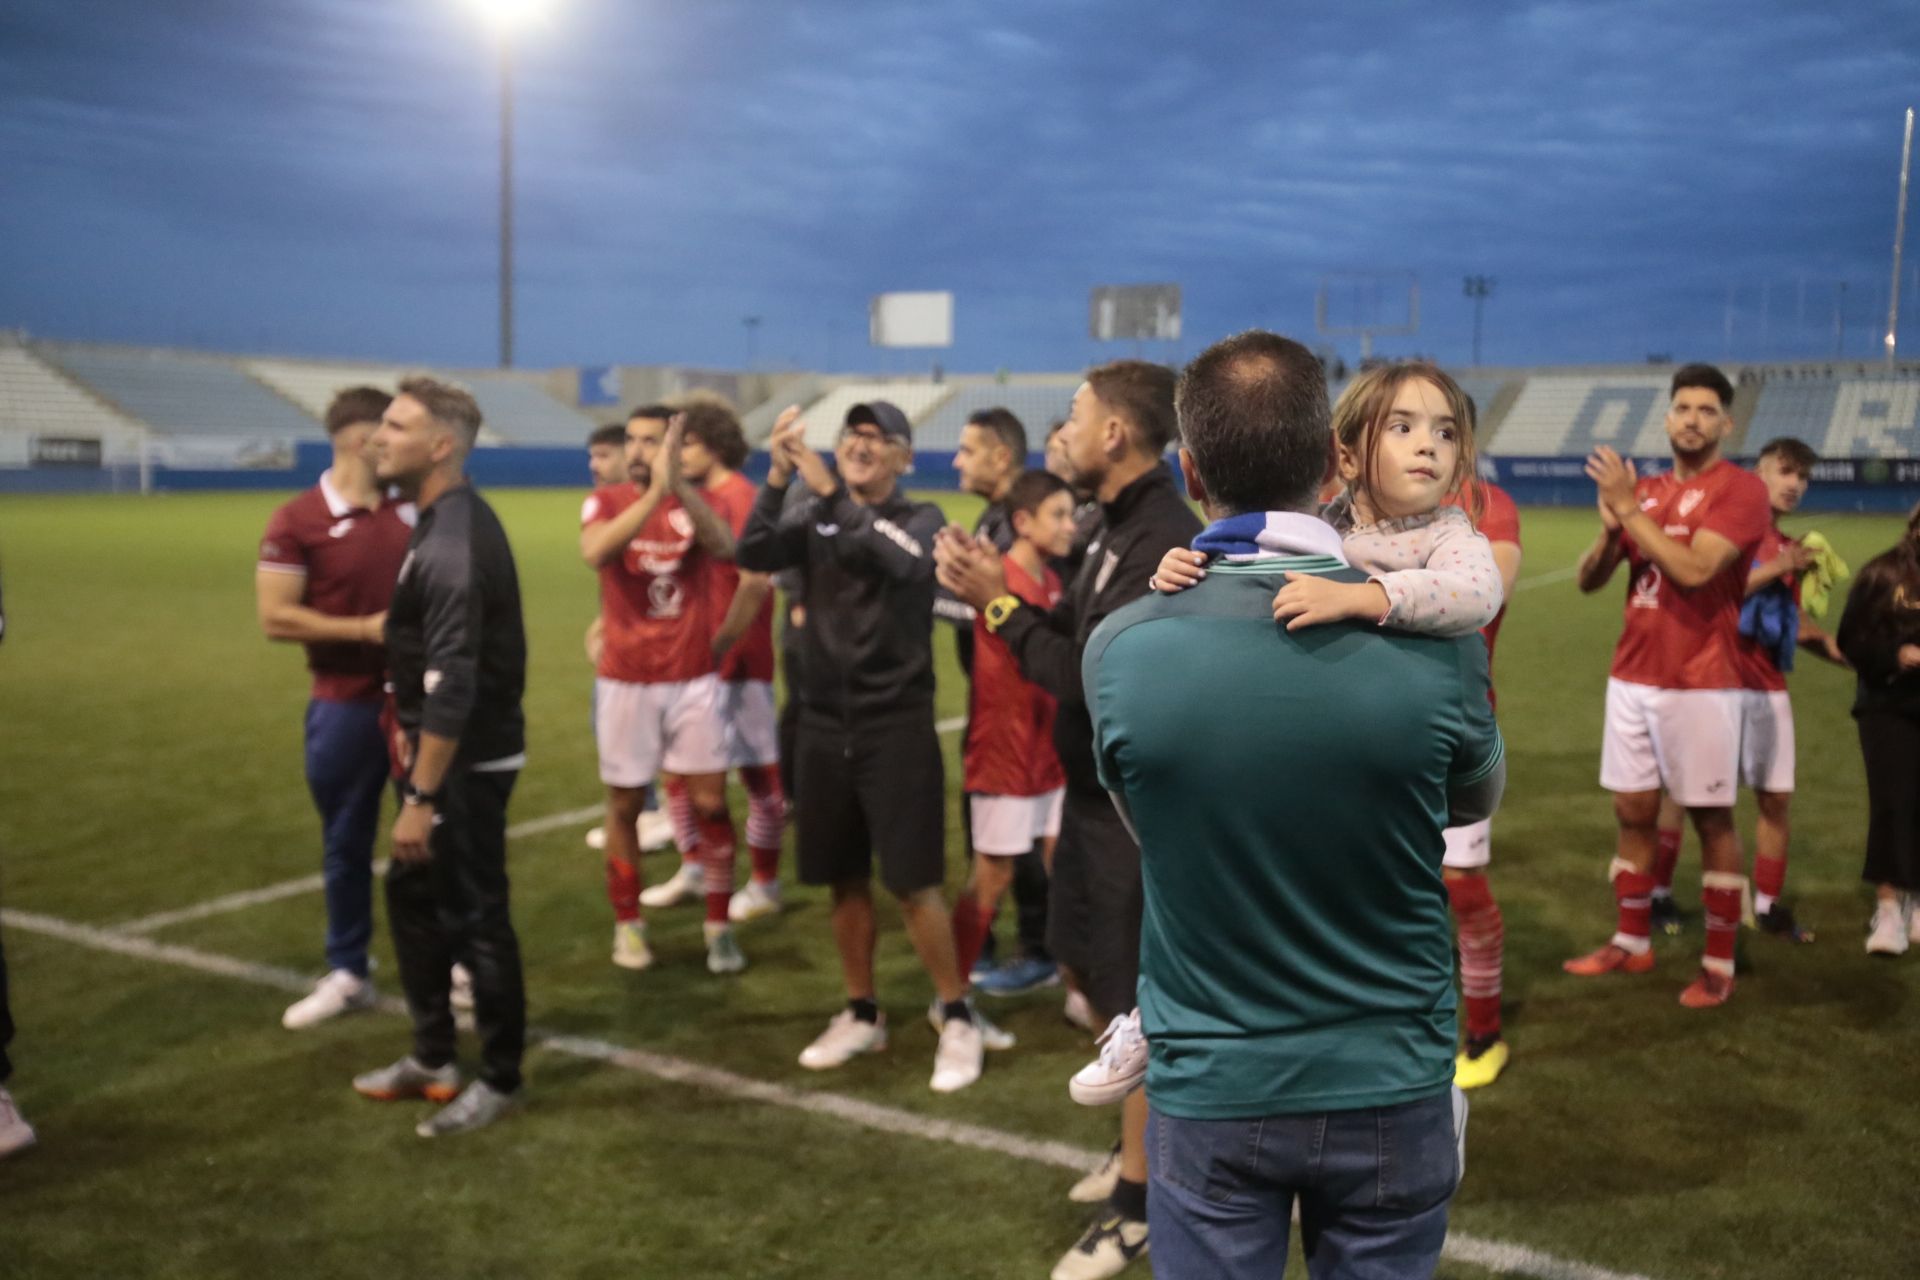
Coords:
1762,903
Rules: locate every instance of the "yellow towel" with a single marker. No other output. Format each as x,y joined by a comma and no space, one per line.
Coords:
1827,571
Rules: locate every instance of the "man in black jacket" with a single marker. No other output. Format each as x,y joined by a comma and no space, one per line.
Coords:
457,662
1114,444
869,776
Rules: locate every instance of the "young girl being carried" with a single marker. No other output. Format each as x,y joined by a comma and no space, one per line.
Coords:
1403,444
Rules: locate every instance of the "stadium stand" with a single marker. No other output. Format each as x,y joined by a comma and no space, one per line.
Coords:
1867,417
1565,414
179,394
917,400
517,411
1037,404
38,401
313,386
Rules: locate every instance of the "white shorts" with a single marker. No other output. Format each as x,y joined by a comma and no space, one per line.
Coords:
1766,740
752,725
1007,826
1684,740
644,729
1470,847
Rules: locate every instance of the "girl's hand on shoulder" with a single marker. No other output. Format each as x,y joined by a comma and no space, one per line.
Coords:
1179,569
1309,600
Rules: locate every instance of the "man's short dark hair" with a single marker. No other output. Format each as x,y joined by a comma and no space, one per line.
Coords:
1005,427
446,404
657,411
1702,375
356,404
714,425
1795,455
613,433
1031,488
1253,413
1142,394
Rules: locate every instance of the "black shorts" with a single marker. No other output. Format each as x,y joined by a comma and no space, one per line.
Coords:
876,787
1095,902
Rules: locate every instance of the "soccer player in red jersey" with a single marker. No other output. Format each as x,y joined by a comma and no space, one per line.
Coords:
1773,625
1015,785
1673,697
653,541
327,567
1480,933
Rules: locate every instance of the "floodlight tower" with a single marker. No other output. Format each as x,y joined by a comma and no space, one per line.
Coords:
507,18
1479,288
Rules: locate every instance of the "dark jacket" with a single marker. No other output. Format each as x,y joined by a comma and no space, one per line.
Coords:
1148,519
1881,615
456,646
997,525
867,584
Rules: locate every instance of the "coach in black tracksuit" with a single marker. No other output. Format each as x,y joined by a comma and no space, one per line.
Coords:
457,659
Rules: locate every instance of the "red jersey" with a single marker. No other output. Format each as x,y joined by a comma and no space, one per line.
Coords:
1499,522
1010,733
654,595
751,657
1676,639
1756,660
350,557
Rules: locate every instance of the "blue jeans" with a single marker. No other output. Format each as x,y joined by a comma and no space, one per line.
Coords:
346,772
1373,1188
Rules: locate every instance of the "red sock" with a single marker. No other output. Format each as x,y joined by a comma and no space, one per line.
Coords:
1769,876
623,889
686,829
766,818
1482,937
970,926
1720,893
716,861
1665,859
1633,891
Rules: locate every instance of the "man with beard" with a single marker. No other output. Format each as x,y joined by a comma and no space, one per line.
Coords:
457,664
1673,696
1112,446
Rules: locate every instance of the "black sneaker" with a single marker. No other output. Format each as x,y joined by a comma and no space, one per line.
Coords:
1778,920
1664,913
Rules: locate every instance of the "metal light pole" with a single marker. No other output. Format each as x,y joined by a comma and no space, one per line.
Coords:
506,200
752,326
1479,288
1899,235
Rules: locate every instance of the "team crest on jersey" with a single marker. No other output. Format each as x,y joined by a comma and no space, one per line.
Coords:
680,522
1688,501
1646,589
665,599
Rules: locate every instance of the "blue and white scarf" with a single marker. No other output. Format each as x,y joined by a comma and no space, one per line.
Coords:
1256,535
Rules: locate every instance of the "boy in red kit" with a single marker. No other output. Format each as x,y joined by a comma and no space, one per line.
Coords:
656,700
1014,782
1773,625
1674,694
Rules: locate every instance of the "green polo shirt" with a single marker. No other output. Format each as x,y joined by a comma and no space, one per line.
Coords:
1289,790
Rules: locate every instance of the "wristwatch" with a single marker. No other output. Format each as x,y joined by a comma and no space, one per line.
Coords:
410,794
998,610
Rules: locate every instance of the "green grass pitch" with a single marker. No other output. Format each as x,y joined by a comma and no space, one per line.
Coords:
150,760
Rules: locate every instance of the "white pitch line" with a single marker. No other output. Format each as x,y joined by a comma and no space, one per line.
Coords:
954,725
313,884
1500,1256
1546,579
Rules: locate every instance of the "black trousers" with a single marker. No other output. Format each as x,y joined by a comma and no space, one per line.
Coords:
453,907
1096,900
6,1021
1890,745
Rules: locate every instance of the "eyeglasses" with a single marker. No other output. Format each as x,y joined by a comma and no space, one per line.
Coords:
875,436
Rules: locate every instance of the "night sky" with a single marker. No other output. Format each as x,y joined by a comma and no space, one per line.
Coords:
319,177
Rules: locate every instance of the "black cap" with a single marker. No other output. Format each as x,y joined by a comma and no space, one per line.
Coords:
884,414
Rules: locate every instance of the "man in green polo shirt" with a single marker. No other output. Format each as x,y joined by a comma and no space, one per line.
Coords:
1289,790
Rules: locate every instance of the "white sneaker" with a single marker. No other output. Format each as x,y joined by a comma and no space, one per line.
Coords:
1120,1068
1078,1011
1107,1247
337,993
630,950
1892,927
845,1039
15,1133
993,1039
957,1062
460,996
597,838
1098,1185
654,830
687,882
723,950
758,898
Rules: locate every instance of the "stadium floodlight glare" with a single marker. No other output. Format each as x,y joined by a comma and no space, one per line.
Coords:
507,18
511,15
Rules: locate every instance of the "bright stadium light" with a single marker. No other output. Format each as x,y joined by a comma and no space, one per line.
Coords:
511,15
507,18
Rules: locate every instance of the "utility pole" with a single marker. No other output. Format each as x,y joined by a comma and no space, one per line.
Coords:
1479,288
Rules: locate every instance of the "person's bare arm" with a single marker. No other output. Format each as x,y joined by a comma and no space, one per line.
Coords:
752,592
413,827
604,540
1792,559
711,533
1604,556
277,599
1686,566
1506,558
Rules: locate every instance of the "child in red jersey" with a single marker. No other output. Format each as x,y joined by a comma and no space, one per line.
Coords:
1013,777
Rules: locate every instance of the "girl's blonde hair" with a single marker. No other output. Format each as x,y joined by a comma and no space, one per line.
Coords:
1362,411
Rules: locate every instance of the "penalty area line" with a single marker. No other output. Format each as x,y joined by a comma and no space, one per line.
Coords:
1501,1256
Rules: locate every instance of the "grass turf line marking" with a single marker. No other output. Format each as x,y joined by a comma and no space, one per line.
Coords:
1498,1256
1548,578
